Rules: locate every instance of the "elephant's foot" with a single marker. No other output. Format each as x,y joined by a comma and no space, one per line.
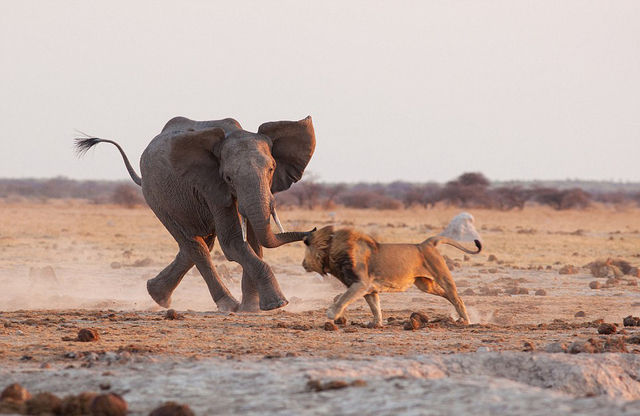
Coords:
273,303
157,293
227,304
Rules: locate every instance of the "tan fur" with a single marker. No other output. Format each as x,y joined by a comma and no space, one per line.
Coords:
368,267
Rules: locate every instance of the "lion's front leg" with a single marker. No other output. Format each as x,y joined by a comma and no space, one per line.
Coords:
373,299
354,292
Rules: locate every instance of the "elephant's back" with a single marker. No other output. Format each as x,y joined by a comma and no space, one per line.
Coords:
182,123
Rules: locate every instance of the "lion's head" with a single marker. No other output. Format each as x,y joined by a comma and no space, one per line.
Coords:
317,252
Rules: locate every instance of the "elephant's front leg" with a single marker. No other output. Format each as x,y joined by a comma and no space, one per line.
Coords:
250,296
260,289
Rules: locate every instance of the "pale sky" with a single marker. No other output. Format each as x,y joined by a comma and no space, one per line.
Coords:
398,90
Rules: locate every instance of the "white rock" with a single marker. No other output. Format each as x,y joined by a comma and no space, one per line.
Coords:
462,228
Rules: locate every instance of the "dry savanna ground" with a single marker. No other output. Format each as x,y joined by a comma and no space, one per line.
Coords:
101,257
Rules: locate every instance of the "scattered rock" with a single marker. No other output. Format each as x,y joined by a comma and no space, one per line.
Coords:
515,290
607,329
580,314
172,409
342,321
595,285
528,346
612,281
568,269
631,321
634,339
469,292
77,405
43,404
412,324
110,404
301,327
462,228
608,268
541,292
171,314
116,265
582,347
492,258
556,347
88,335
15,393
316,385
330,326
614,344
420,317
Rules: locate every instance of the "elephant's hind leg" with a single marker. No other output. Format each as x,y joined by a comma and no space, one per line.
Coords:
162,286
198,250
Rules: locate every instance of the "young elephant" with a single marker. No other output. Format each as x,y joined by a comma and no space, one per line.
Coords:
367,267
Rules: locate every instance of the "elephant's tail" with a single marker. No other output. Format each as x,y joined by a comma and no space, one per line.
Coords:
84,144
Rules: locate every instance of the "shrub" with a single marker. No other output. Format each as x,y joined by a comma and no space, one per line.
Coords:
127,195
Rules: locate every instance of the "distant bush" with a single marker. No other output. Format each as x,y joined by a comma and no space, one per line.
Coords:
469,190
574,198
127,195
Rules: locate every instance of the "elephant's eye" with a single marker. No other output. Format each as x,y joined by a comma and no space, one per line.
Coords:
228,178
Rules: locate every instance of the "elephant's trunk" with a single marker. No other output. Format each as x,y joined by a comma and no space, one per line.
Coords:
259,215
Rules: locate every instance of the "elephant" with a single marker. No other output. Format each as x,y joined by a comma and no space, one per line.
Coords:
212,179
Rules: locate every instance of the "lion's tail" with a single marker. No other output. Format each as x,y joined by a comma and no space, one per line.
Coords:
440,239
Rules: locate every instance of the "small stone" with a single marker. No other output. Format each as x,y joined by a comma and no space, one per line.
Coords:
631,321
595,285
330,326
568,269
391,319
110,404
528,346
116,265
43,404
469,292
607,329
412,324
483,349
88,335
556,347
420,316
541,292
15,393
172,409
171,314
492,258
579,347
580,314
612,281
77,405
340,321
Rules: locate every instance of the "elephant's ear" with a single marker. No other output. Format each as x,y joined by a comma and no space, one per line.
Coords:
192,157
293,146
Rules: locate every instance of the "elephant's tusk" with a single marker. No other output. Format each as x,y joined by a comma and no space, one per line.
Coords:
243,225
277,220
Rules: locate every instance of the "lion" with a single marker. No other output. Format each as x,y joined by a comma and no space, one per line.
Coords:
367,268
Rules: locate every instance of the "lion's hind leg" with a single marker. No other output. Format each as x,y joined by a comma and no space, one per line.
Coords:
450,293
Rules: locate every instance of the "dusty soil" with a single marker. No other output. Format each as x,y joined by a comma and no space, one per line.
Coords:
101,256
